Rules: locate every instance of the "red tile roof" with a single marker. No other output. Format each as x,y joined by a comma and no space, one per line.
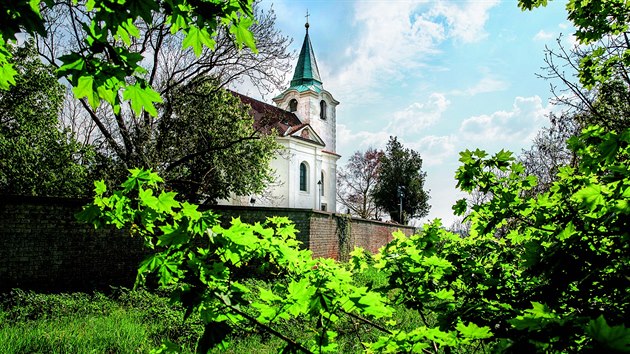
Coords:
268,117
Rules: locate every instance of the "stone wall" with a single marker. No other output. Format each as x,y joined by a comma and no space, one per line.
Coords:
42,246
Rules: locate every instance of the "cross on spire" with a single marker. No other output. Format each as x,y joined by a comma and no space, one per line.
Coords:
307,25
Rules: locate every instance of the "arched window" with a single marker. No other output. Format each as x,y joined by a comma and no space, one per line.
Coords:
322,109
293,105
303,174
323,183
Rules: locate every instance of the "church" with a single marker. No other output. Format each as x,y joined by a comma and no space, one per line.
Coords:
304,119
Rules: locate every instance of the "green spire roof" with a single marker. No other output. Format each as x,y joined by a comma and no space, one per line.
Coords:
306,71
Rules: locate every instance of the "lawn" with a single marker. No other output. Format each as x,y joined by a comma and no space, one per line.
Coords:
137,321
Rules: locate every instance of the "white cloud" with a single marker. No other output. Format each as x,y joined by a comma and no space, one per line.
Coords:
485,85
520,124
397,37
466,23
435,150
418,116
351,141
544,36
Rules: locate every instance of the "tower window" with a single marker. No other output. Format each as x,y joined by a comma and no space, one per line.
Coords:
303,174
293,105
322,109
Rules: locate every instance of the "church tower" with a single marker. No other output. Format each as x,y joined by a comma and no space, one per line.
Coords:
307,98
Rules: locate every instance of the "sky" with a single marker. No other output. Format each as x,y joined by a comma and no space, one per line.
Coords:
442,76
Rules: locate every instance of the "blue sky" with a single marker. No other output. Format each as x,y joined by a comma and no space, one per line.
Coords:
443,76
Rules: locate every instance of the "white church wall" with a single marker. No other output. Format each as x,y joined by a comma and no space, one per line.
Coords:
304,153
329,166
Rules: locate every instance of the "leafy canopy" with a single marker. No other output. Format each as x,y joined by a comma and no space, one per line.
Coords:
37,157
216,140
595,20
103,68
400,171
199,261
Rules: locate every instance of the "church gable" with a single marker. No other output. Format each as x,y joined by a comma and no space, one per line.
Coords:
305,132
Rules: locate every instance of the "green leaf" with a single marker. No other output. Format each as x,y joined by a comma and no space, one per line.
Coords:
109,95
196,38
567,232
72,63
100,187
148,199
151,263
142,98
614,338
609,147
590,196
190,211
504,156
166,202
243,34
268,295
172,236
535,318
460,207
444,294
89,214
472,331
85,88
466,157
373,304
7,76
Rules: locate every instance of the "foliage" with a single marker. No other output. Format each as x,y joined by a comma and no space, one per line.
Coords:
37,158
356,183
127,135
172,47
490,291
595,20
557,282
605,102
198,260
216,141
401,171
103,68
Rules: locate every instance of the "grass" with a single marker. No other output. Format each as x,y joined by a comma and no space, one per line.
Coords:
126,321
123,322
117,332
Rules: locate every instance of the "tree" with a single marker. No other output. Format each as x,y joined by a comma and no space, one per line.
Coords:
401,173
356,183
549,151
36,157
209,146
556,283
102,67
174,61
604,25
605,103
169,51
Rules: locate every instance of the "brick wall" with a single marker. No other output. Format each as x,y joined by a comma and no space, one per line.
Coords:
323,232
42,246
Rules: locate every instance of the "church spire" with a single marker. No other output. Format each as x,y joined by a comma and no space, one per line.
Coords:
306,71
